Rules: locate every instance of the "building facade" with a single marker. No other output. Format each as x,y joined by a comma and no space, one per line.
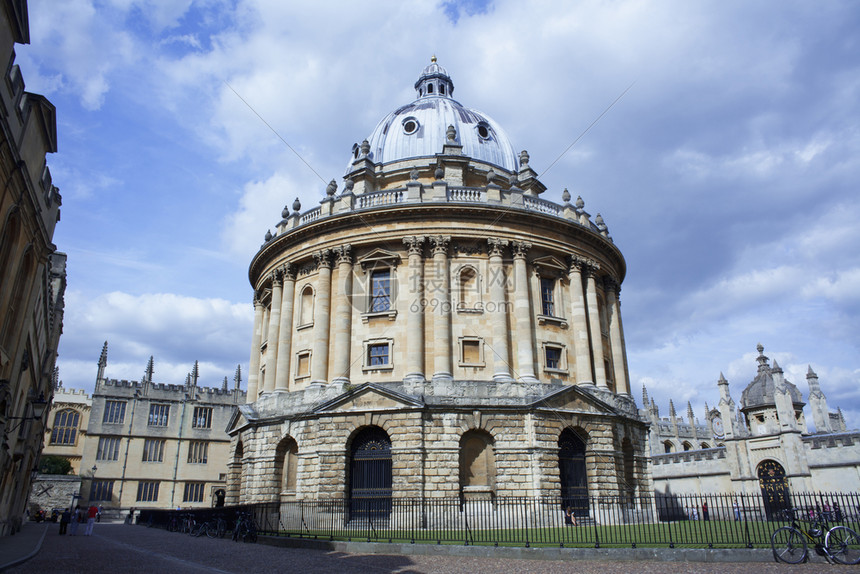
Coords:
32,272
437,329
67,422
763,445
157,445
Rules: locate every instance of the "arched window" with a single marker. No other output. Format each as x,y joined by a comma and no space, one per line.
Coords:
306,307
65,429
470,297
8,239
237,471
571,469
668,447
705,445
286,465
628,485
687,446
477,463
18,300
370,476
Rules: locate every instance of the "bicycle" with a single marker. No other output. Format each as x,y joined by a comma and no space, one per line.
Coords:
840,543
245,528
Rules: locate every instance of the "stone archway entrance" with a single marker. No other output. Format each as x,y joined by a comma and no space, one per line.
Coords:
571,470
370,475
774,488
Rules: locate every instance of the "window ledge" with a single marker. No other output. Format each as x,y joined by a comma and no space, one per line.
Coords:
377,368
391,314
305,326
472,365
546,319
472,310
556,371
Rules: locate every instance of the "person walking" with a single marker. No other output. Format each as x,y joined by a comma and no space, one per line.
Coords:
99,514
91,519
705,511
65,518
76,518
737,510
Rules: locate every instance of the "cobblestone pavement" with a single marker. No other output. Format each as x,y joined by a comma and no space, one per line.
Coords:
132,549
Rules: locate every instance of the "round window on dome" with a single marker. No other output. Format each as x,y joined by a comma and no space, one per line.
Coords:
483,131
410,126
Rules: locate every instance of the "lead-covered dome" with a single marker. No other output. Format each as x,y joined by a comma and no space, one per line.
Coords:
760,391
420,129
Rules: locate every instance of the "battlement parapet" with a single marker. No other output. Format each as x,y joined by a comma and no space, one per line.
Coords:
689,456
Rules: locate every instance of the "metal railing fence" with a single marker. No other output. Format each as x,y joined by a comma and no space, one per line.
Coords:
721,520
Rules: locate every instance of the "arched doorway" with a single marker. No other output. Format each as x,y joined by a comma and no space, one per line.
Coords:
571,470
774,489
370,474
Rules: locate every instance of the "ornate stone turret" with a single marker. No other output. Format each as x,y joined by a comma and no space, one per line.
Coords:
102,364
818,404
789,420
727,409
692,420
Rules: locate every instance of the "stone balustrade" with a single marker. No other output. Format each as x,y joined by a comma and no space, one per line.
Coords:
438,192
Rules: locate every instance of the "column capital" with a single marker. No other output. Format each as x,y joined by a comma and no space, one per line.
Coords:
415,244
276,277
289,271
343,254
496,246
610,284
322,258
439,244
520,249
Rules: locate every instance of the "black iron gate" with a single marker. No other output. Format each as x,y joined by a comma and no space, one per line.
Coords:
370,475
571,469
774,489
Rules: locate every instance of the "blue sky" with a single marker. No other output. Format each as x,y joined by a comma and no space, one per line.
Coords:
727,175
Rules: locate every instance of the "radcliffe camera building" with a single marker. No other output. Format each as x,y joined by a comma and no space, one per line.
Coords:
436,328
32,272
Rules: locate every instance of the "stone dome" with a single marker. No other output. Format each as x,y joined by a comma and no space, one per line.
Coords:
420,129
759,393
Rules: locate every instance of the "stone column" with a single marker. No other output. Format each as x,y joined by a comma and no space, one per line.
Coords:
254,362
322,306
343,315
501,353
579,323
442,364
594,327
522,314
616,337
415,310
285,331
274,327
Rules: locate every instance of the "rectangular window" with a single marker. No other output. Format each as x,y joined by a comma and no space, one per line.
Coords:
471,352
198,452
303,365
147,491
553,357
108,448
114,412
193,492
377,354
380,291
202,418
101,490
158,415
547,307
153,450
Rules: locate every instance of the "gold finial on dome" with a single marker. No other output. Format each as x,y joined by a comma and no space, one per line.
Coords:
433,58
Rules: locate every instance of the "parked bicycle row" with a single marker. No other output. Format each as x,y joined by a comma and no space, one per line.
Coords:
241,525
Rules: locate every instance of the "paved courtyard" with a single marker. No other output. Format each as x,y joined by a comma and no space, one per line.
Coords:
130,549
